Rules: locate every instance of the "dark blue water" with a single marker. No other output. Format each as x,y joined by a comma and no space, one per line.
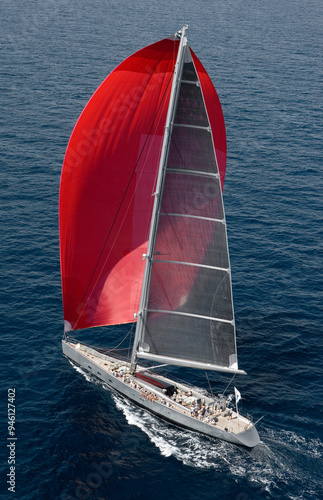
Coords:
76,440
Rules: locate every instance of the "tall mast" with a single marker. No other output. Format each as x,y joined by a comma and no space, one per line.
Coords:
159,188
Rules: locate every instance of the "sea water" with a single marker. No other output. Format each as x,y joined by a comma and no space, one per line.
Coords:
74,438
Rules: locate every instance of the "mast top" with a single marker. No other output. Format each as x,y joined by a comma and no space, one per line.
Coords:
181,33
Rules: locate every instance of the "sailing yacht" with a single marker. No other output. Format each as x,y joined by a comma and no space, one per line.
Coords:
143,237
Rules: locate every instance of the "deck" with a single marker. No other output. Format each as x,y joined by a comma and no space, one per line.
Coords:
186,400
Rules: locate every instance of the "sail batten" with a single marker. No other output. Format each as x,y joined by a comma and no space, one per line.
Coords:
227,270
189,216
191,82
200,173
197,127
191,315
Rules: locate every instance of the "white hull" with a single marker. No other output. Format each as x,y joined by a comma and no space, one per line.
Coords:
237,430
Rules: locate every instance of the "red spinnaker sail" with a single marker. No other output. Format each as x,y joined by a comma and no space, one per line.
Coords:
108,179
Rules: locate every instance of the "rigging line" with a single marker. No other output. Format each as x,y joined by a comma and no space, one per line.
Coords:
92,346
207,378
228,384
82,304
124,338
